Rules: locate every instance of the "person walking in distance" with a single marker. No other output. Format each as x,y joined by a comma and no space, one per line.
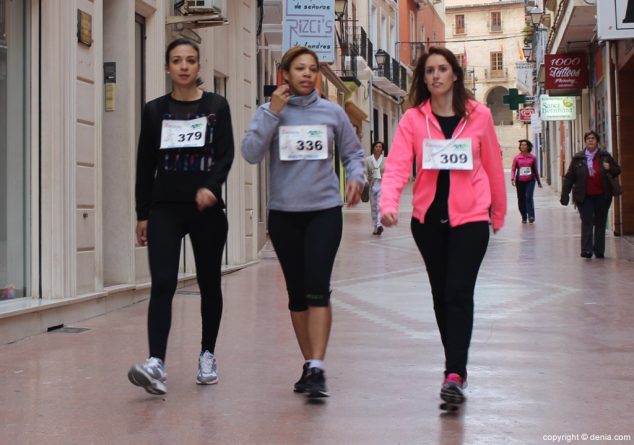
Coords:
374,168
588,177
459,189
184,156
299,130
524,175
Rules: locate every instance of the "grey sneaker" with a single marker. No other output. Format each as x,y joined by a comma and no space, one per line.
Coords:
151,376
207,369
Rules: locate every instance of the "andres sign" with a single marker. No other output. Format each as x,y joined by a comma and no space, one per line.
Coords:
566,71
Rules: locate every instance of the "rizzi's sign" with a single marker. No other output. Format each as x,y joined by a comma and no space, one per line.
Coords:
566,71
615,19
560,108
310,23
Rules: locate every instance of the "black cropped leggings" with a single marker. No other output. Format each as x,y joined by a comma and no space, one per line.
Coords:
306,244
167,225
452,257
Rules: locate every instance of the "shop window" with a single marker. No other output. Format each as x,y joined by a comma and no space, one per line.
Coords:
14,178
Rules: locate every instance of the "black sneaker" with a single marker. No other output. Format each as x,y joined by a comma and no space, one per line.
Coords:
585,254
316,383
300,385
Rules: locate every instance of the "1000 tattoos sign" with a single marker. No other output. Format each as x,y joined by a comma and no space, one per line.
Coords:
566,71
311,23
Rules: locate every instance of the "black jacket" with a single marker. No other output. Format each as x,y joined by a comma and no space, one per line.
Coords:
576,177
154,183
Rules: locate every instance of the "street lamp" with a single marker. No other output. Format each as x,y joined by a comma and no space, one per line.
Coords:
340,8
536,17
381,57
528,51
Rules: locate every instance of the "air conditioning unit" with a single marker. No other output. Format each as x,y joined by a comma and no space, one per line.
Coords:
206,6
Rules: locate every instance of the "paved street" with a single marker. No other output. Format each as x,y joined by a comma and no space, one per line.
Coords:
552,353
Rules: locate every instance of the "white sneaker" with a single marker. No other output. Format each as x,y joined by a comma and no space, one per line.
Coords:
151,376
207,369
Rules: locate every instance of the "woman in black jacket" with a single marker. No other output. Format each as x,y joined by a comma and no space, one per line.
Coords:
588,177
185,153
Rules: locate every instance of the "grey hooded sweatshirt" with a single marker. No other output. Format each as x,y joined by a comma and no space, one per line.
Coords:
304,185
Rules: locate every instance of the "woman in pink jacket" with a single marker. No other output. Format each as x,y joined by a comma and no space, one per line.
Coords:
523,176
459,189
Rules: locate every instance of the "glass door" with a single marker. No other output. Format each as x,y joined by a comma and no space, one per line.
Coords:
13,151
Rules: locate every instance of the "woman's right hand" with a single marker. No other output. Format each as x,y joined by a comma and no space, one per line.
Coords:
389,219
141,233
279,99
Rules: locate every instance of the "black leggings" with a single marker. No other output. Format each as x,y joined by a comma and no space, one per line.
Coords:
167,225
306,244
452,257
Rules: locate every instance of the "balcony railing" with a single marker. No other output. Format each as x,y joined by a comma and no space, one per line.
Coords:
495,27
359,38
496,74
391,77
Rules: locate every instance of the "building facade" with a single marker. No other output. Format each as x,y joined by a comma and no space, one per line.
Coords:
603,104
74,76
487,38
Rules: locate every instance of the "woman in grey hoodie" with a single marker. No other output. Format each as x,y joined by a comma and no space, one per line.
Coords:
299,131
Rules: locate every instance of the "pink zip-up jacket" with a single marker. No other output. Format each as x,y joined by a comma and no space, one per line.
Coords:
474,195
524,160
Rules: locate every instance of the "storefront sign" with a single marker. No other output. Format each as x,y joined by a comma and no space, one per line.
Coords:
615,19
310,23
526,113
560,108
566,71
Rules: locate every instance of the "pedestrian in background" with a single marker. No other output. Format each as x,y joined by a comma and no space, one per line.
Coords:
590,176
524,175
459,184
374,168
184,156
298,129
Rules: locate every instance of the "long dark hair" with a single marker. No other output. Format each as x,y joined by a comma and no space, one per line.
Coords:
419,93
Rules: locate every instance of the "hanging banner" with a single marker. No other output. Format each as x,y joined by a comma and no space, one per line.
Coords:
559,108
310,23
566,71
524,80
615,19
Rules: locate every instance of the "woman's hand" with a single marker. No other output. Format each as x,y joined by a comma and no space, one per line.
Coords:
141,233
205,199
389,219
513,182
606,165
353,193
539,185
279,99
